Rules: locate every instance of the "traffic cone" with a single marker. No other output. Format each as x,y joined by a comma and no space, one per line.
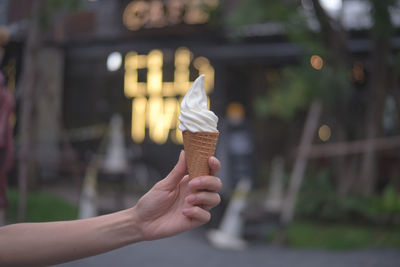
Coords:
228,236
274,199
115,161
88,199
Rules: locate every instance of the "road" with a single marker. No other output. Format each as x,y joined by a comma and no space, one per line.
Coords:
191,249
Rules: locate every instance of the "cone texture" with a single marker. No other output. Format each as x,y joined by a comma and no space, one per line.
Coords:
199,147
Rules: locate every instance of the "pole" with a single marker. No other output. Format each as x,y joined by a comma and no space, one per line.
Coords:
296,177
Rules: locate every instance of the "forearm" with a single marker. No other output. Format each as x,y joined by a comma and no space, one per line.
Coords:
56,242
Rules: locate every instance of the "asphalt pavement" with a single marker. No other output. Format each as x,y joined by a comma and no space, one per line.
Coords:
192,249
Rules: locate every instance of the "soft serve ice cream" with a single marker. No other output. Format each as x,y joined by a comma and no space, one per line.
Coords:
195,115
199,129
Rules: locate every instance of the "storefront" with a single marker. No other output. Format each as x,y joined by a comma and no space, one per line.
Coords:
144,71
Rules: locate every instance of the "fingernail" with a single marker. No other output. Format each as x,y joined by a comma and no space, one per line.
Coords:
191,198
214,160
194,182
185,211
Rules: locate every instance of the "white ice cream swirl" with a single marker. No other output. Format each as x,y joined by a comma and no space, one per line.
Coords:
195,116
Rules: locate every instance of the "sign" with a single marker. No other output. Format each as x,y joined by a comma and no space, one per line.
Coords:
155,103
157,14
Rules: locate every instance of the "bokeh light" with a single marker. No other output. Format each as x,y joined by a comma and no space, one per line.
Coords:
324,133
114,61
316,62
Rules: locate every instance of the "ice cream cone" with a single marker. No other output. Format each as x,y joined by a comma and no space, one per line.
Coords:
199,147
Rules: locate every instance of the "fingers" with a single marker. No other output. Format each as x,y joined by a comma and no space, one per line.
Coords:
175,176
199,215
214,164
206,183
206,200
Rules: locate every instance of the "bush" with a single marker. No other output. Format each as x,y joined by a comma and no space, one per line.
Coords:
41,207
318,200
340,236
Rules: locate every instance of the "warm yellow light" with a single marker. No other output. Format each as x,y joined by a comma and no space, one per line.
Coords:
181,83
131,61
136,14
153,111
130,84
161,118
235,111
154,72
182,57
182,73
177,137
155,58
316,62
168,89
131,75
324,133
203,65
141,61
157,13
155,106
138,119
155,119
170,114
195,14
175,10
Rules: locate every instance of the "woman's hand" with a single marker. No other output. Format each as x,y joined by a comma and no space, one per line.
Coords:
172,206
175,204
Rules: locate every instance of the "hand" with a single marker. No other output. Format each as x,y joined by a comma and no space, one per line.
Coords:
175,205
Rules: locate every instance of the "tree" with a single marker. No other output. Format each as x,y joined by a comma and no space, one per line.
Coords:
27,86
331,84
39,22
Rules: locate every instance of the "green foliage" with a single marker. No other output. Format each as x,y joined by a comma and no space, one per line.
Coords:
316,193
382,21
41,207
287,13
318,200
299,85
340,236
51,7
390,200
256,11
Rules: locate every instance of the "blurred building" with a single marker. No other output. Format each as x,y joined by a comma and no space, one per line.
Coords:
137,58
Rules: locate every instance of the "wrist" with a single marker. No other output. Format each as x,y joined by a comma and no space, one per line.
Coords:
133,225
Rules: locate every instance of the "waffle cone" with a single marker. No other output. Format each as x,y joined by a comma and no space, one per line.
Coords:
199,147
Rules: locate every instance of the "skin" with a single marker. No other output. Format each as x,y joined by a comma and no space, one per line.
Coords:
172,206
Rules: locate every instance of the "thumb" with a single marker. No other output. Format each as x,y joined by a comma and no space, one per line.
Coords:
177,173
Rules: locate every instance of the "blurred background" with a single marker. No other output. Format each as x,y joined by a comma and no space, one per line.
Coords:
308,98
